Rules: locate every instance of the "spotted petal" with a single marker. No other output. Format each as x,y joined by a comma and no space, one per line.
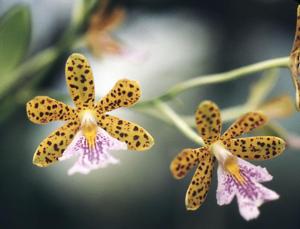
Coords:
250,194
295,60
80,81
43,109
53,146
135,136
296,44
124,94
208,121
92,158
186,160
295,72
256,148
245,124
198,188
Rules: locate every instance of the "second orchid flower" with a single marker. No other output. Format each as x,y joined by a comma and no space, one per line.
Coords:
89,132
236,177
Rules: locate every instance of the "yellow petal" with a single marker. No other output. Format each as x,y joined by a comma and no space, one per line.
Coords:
208,121
124,94
54,145
296,44
199,186
135,136
256,148
186,160
294,60
80,81
43,109
295,72
245,124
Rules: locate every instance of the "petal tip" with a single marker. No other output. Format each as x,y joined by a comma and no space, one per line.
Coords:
191,208
38,163
129,80
275,196
151,143
207,103
295,79
146,146
189,205
76,55
173,171
36,160
261,114
249,212
251,217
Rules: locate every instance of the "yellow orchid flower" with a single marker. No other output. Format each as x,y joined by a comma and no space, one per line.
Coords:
89,132
236,177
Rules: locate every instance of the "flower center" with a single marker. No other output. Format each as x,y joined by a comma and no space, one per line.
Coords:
89,127
227,161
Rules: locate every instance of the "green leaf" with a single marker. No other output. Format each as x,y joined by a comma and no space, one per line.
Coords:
15,30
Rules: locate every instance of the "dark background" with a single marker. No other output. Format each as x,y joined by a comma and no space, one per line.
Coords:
141,193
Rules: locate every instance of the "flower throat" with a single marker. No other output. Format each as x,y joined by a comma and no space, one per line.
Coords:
89,127
227,160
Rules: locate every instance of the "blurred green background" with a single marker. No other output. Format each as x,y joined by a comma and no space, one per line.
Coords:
168,42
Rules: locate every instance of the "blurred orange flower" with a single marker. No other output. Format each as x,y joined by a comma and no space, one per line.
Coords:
102,23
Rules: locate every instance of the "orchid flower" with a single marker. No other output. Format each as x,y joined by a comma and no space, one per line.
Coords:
89,133
236,177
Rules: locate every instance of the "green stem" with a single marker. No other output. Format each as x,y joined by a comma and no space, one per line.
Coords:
28,70
178,122
282,62
258,92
